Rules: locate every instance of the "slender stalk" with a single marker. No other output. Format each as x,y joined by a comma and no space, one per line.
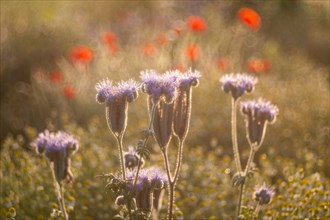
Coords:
241,190
121,154
171,186
242,187
144,145
256,211
234,135
178,162
59,193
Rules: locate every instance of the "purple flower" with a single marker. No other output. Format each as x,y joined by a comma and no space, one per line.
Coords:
189,78
116,99
150,182
104,90
238,84
160,87
57,147
263,194
257,114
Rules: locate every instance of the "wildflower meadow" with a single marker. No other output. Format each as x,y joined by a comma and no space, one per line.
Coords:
170,110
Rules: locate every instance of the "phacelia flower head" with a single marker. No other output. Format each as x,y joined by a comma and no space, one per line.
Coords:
57,147
238,84
150,180
160,87
117,99
263,194
258,114
103,89
182,105
132,158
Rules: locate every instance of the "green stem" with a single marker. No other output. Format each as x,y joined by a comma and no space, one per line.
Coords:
234,135
178,162
65,215
257,210
121,154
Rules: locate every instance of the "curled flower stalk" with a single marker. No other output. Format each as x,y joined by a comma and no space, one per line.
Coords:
116,99
58,147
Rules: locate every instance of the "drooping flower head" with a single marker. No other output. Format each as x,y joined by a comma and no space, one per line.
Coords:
249,17
258,114
117,99
238,84
197,24
131,158
263,194
57,147
182,105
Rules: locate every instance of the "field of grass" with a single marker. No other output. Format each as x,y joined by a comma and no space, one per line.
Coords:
53,53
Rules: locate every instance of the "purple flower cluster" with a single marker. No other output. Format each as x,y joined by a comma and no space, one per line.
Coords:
238,84
58,147
260,110
51,143
107,92
263,194
189,78
160,86
258,114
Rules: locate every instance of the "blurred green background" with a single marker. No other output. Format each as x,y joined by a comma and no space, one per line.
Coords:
36,37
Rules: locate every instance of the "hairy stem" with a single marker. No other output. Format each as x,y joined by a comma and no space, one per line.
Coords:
171,186
121,155
234,135
144,145
59,193
178,162
241,190
256,211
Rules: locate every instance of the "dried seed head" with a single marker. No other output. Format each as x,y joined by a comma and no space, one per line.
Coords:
238,84
57,147
258,114
263,194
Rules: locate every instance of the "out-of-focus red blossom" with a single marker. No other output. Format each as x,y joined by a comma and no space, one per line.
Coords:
223,63
148,49
80,54
256,65
56,77
162,39
197,24
109,37
192,52
180,67
69,92
249,17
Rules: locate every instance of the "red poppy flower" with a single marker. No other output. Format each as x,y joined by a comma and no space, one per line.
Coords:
56,77
109,37
69,92
162,39
197,24
192,52
256,65
148,49
80,54
249,17
222,63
